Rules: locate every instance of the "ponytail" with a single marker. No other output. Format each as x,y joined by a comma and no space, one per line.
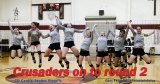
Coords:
36,24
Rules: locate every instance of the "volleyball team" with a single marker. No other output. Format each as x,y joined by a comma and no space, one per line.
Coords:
120,55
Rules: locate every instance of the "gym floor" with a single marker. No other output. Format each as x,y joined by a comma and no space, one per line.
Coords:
7,66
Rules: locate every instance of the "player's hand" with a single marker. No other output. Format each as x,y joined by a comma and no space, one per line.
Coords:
87,28
129,24
95,25
56,16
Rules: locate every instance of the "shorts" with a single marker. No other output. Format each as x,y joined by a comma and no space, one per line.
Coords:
69,44
35,43
15,47
84,53
102,53
111,50
54,46
138,51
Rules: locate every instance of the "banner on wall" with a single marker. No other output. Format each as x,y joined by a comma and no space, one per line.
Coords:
50,7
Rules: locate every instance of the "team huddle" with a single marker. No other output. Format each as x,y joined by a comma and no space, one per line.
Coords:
119,52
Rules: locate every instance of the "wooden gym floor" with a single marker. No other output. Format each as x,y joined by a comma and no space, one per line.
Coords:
7,65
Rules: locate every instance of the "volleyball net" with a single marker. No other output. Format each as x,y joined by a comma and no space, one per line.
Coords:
103,25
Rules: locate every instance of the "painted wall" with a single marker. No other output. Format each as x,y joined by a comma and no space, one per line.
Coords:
8,7
143,10
140,11
79,9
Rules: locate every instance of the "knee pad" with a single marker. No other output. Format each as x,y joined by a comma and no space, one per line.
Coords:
40,60
50,56
123,53
148,62
77,56
39,52
33,58
63,58
77,61
60,62
12,57
21,56
116,65
97,65
109,64
80,65
67,62
125,60
32,53
91,65
129,63
129,56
